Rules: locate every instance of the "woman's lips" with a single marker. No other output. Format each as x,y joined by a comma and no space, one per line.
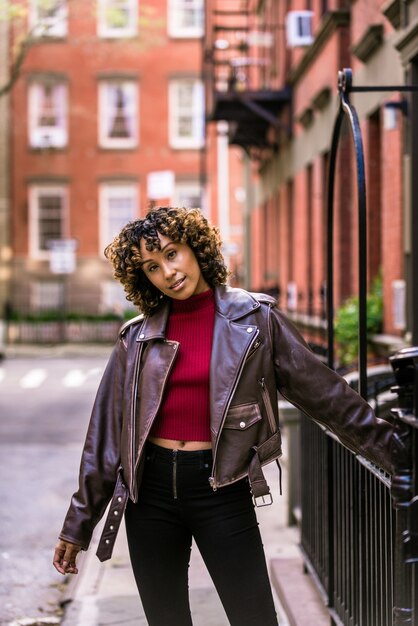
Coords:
177,284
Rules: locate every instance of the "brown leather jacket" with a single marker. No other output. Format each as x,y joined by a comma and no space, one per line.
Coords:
256,352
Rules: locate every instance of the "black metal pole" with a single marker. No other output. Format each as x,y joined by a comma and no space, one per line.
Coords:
414,206
404,489
351,113
330,238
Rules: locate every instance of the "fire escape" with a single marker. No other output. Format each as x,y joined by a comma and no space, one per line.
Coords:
242,77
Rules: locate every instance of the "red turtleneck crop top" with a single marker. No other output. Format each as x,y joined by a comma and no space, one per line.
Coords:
184,412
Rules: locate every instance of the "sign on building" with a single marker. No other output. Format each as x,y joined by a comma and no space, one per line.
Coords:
160,184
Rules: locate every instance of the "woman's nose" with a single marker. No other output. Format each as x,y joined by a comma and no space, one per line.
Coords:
169,271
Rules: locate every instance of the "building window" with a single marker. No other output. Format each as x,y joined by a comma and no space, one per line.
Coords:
47,295
117,18
185,18
118,206
118,114
48,115
187,194
48,205
186,122
48,18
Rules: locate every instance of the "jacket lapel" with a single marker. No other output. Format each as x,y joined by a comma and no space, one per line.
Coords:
154,325
157,363
231,342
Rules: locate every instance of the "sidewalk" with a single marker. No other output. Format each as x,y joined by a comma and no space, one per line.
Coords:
104,594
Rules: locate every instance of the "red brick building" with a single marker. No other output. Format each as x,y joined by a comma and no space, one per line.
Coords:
107,116
288,56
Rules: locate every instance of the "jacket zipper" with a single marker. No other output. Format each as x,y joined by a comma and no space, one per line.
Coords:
212,480
267,404
175,474
274,428
134,485
253,350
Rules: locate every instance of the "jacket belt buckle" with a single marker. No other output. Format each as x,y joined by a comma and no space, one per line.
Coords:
260,501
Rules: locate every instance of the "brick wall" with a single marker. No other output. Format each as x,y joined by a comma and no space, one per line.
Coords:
303,161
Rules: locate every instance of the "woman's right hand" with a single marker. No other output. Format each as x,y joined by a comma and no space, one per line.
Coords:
65,557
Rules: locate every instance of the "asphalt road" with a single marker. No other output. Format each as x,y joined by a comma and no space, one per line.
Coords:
45,404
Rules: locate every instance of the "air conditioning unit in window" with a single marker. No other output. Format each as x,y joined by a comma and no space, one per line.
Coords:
299,28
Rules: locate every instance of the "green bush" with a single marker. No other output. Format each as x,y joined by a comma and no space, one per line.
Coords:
347,319
63,316
128,314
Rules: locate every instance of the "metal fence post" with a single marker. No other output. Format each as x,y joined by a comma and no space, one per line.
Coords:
405,488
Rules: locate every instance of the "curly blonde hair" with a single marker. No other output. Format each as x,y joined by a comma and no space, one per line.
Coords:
181,225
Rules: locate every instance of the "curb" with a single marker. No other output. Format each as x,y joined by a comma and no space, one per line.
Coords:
297,593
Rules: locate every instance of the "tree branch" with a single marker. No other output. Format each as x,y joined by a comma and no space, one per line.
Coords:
17,65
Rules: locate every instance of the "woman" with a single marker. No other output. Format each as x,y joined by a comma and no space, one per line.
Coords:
186,415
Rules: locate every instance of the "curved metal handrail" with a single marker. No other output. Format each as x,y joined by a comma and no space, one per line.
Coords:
348,110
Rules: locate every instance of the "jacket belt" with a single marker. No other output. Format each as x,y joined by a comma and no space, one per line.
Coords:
113,519
258,484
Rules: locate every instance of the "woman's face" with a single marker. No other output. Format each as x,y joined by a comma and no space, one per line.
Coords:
173,269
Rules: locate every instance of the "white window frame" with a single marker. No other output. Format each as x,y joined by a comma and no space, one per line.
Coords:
53,26
196,139
107,191
106,29
176,9
43,297
130,87
48,136
35,192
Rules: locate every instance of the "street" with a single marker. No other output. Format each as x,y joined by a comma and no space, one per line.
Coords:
45,404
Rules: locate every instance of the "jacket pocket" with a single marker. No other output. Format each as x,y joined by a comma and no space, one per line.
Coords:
242,416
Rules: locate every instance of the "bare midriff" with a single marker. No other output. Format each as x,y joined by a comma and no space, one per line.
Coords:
176,444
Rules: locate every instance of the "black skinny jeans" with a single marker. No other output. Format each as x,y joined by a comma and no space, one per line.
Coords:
177,503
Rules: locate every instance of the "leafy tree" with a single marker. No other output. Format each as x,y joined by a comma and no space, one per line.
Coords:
15,14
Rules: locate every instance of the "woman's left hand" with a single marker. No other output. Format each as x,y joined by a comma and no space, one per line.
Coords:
65,556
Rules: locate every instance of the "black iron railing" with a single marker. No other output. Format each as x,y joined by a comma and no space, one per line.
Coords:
315,532
359,525
348,531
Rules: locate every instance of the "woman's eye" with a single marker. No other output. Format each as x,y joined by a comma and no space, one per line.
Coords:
171,254
152,268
